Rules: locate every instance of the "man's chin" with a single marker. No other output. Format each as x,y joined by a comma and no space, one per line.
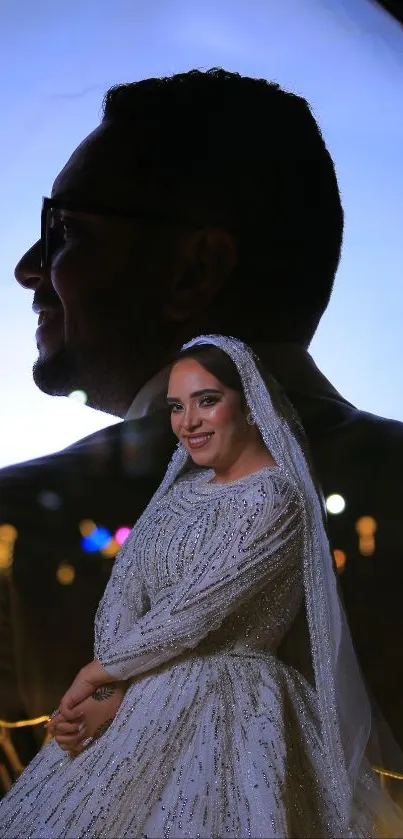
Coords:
55,375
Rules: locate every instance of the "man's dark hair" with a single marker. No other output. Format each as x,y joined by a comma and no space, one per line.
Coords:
253,152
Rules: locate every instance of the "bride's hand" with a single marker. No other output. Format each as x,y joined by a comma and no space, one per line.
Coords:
92,717
88,679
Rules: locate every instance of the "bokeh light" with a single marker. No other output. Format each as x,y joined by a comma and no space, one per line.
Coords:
335,504
79,396
8,532
110,550
366,528
86,527
122,534
340,559
98,539
65,574
50,499
8,536
6,558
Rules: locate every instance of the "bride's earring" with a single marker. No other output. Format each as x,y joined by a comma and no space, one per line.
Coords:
249,418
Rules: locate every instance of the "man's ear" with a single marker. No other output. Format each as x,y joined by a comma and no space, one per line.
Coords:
206,260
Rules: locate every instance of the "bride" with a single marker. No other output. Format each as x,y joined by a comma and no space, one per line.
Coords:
195,723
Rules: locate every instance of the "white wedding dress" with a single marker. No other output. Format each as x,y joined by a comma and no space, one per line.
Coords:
216,736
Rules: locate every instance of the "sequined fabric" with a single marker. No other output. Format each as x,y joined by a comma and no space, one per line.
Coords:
216,737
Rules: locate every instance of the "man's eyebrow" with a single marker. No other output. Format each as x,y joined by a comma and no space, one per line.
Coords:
202,392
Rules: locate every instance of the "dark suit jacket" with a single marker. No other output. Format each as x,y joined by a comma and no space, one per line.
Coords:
46,628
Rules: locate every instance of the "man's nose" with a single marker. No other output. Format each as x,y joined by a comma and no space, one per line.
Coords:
28,271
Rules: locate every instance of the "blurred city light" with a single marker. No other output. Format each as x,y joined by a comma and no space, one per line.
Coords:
8,532
79,396
340,559
335,504
98,539
49,499
6,556
65,574
122,534
86,527
8,536
110,550
366,528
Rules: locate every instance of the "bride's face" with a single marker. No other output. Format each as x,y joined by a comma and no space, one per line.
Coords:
207,417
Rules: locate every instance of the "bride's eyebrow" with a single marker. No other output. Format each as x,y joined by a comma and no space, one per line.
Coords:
202,392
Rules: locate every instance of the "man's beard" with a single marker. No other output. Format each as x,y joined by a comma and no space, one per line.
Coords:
65,372
58,375
108,373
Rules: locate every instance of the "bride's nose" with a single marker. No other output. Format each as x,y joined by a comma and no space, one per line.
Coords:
191,418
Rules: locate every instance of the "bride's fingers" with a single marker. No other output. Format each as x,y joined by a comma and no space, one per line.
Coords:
80,690
70,728
70,741
71,714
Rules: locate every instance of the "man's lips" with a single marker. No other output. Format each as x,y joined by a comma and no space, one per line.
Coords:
52,306
196,441
46,315
49,321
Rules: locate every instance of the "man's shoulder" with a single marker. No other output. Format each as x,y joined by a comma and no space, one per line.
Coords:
373,433
139,443
107,477
361,454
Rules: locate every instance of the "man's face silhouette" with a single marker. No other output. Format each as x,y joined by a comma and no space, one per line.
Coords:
101,296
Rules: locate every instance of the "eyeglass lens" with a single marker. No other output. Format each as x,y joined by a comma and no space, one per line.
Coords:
54,232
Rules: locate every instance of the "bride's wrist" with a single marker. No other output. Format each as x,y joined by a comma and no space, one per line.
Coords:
96,675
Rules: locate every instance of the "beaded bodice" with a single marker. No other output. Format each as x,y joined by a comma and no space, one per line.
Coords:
207,540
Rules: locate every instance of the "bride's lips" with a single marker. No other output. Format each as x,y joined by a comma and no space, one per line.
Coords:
197,441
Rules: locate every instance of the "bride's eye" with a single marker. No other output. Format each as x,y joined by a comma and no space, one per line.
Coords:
175,407
208,401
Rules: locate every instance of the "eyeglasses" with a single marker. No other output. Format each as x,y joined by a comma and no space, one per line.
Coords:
52,225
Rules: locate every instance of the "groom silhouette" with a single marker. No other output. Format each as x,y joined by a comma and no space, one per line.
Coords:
204,202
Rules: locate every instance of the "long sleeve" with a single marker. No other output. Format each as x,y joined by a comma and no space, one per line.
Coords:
256,537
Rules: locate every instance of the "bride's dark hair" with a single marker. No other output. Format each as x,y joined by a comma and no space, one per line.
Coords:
215,361
221,366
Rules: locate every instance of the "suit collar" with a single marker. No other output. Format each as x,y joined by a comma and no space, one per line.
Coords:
151,397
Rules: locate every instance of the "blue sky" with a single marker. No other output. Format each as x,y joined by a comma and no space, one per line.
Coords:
346,58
